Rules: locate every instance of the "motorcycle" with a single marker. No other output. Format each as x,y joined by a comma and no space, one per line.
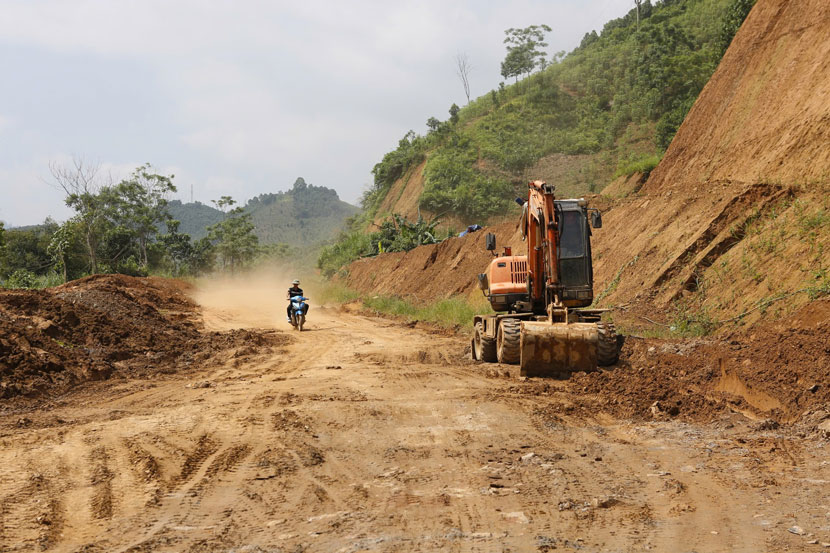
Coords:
298,307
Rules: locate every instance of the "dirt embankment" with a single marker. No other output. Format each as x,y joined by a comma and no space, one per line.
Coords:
430,273
103,326
737,211
736,214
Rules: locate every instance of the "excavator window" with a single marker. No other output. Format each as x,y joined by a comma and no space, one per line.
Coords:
572,234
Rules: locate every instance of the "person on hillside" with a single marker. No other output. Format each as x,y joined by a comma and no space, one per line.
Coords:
295,290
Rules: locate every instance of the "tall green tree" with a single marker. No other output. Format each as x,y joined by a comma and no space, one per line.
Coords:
524,50
454,109
139,204
234,238
61,245
182,256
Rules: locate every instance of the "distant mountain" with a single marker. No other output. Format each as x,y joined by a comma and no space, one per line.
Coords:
302,216
194,217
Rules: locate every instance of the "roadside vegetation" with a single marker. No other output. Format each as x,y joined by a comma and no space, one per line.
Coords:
126,228
395,234
455,312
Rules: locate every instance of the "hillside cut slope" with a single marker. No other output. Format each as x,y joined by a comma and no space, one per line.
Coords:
735,217
737,212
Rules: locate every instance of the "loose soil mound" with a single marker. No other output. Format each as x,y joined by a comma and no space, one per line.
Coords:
774,371
98,326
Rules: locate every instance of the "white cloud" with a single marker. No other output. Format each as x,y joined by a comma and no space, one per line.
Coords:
251,94
28,197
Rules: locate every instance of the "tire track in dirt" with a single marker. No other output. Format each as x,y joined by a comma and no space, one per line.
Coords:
32,515
101,500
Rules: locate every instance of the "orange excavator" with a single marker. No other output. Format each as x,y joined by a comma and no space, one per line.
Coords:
543,321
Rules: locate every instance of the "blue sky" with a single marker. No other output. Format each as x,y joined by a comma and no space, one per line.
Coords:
240,98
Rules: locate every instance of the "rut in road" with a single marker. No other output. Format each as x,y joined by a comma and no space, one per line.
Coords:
365,434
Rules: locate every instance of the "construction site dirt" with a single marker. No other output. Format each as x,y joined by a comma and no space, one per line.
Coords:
162,417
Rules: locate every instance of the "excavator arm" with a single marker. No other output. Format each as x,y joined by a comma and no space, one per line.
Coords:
541,241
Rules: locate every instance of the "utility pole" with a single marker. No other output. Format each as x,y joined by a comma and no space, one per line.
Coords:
191,193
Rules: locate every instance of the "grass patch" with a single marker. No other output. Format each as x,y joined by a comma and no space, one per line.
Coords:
452,312
335,293
456,312
642,165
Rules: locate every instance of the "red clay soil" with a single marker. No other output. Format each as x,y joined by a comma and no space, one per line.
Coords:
430,273
757,137
775,371
100,326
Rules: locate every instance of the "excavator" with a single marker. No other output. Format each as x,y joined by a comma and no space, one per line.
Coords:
543,321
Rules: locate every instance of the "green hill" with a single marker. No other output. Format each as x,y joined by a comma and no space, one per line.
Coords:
302,216
194,217
611,105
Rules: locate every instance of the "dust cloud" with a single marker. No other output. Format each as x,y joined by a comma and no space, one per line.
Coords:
251,299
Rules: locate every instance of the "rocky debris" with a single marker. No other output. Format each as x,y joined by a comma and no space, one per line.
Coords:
767,424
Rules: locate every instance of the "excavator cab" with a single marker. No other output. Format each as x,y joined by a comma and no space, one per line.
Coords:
576,273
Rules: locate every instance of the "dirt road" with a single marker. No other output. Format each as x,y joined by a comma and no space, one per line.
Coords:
364,434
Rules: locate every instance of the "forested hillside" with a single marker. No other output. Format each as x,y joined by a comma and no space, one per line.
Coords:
130,227
611,105
302,216
608,108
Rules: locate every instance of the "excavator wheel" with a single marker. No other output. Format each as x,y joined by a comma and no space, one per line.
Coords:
484,347
508,341
607,352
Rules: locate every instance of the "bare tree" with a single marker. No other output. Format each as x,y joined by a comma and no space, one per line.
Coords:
463,69
638,4
82,182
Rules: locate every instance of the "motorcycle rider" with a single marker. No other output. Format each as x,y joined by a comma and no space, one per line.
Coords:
295,290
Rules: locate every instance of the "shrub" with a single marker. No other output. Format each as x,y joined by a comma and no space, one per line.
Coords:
641,165
21,278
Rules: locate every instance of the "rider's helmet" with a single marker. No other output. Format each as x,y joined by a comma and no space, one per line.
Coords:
295,281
